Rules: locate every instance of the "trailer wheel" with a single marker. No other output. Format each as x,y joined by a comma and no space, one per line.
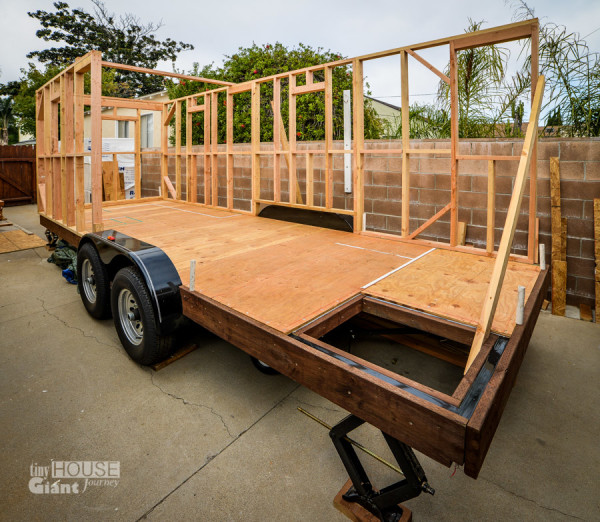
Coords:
135,320
93,282
263,367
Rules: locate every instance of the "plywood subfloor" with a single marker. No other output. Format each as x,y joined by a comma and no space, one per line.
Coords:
281,274
13,240
285,274
453,285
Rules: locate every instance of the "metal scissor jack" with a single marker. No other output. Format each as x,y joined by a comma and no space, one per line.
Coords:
381,503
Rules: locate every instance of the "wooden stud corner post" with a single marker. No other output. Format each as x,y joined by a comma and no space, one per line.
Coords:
359,142
493,292
96,158
453,146
255,136
405,145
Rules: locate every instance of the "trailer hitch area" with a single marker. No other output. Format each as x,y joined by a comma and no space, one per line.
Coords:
383,503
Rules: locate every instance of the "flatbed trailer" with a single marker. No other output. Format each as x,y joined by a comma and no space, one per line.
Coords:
276,287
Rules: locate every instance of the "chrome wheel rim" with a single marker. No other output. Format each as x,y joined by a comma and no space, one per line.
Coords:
88,281
129,315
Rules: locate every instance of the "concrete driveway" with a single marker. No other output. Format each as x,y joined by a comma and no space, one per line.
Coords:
210,438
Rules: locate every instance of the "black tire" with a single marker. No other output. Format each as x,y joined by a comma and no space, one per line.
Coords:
93,282
262,367
135,321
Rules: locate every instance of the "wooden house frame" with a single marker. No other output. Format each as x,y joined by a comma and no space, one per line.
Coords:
444,427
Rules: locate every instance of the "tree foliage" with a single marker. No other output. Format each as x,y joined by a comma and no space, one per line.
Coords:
122,39
259,61
32,79
572,74
425,121
484,97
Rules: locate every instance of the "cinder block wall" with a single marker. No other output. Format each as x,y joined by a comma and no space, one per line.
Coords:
430,192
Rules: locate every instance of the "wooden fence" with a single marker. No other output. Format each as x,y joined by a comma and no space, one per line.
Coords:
17,174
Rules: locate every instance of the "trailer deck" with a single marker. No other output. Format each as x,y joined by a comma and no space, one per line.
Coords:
286,275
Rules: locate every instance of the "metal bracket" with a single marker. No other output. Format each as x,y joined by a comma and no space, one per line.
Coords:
383,503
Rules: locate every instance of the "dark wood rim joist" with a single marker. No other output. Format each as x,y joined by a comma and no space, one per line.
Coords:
388,401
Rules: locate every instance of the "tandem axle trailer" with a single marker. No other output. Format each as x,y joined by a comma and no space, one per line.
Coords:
276,285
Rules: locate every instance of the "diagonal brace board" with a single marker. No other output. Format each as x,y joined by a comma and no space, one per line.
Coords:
429,66
493,292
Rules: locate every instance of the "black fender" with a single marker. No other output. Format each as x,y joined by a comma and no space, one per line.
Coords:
117,250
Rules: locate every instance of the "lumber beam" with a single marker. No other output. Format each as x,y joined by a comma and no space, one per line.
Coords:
178,149
278,141
170,114
207,162
126,103
491,206
497,278
499,34
433,69
359,144
430,221
283,144
79,161
118,117
255,134
96,158
214,142
453,146
292,140
328,88
229,140
196,108
532,236
240,87
68,143
431,430
170,187
495,36
138,156
164,147
405,145
309,87
154,72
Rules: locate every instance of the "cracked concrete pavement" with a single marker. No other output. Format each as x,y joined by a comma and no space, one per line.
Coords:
210,438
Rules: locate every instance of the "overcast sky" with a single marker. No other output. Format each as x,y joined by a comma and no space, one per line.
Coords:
349,27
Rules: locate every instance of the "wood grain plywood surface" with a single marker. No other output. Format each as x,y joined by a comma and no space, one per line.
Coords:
453,285
14,240
288,284
281,274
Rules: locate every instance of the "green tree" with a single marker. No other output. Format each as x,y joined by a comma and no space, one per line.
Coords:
480,73
32,79
122,39
426,121
259,61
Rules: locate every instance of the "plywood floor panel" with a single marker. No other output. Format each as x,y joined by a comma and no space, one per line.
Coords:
14,240
286,274
453,285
